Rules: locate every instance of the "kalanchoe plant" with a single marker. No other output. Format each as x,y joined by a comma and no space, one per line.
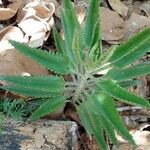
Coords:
97,78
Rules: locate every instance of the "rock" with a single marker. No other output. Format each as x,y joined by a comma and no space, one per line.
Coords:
39,135
1,27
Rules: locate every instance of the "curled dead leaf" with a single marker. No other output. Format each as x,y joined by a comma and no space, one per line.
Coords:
10,33
6,13
36,21
37,39
36,10
10,11
142,137
58,8
31,26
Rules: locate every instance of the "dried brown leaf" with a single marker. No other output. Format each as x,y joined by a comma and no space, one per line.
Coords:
41,11
142,137
119,7
146,7
136,22
14,63
80,12
112,25
10,32
10,11
31,26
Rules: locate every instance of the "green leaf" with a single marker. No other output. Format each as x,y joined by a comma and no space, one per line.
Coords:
68,40
29,92
52,61
132,50
92,124
14,108
76,46
107,55
128,83
92,22
71,19
2,121
114,90
96,42
69,23
84,120
96,36
104,105
120,74
47,83
60,44
94,52
109,129
49,106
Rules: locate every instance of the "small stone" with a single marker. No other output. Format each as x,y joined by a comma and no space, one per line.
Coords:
1,27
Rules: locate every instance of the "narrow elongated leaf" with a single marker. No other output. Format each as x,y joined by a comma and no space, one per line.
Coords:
104,105
109,129
92,20
96,37
84,120
60,44
98,131
68,39
132,50
120,74
49,106
69,23
133,55
128,83
114,90
132,43
107,55
92,124
103,62
71,19
29,92
51,83
76,46
52,61
96,41
94,52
